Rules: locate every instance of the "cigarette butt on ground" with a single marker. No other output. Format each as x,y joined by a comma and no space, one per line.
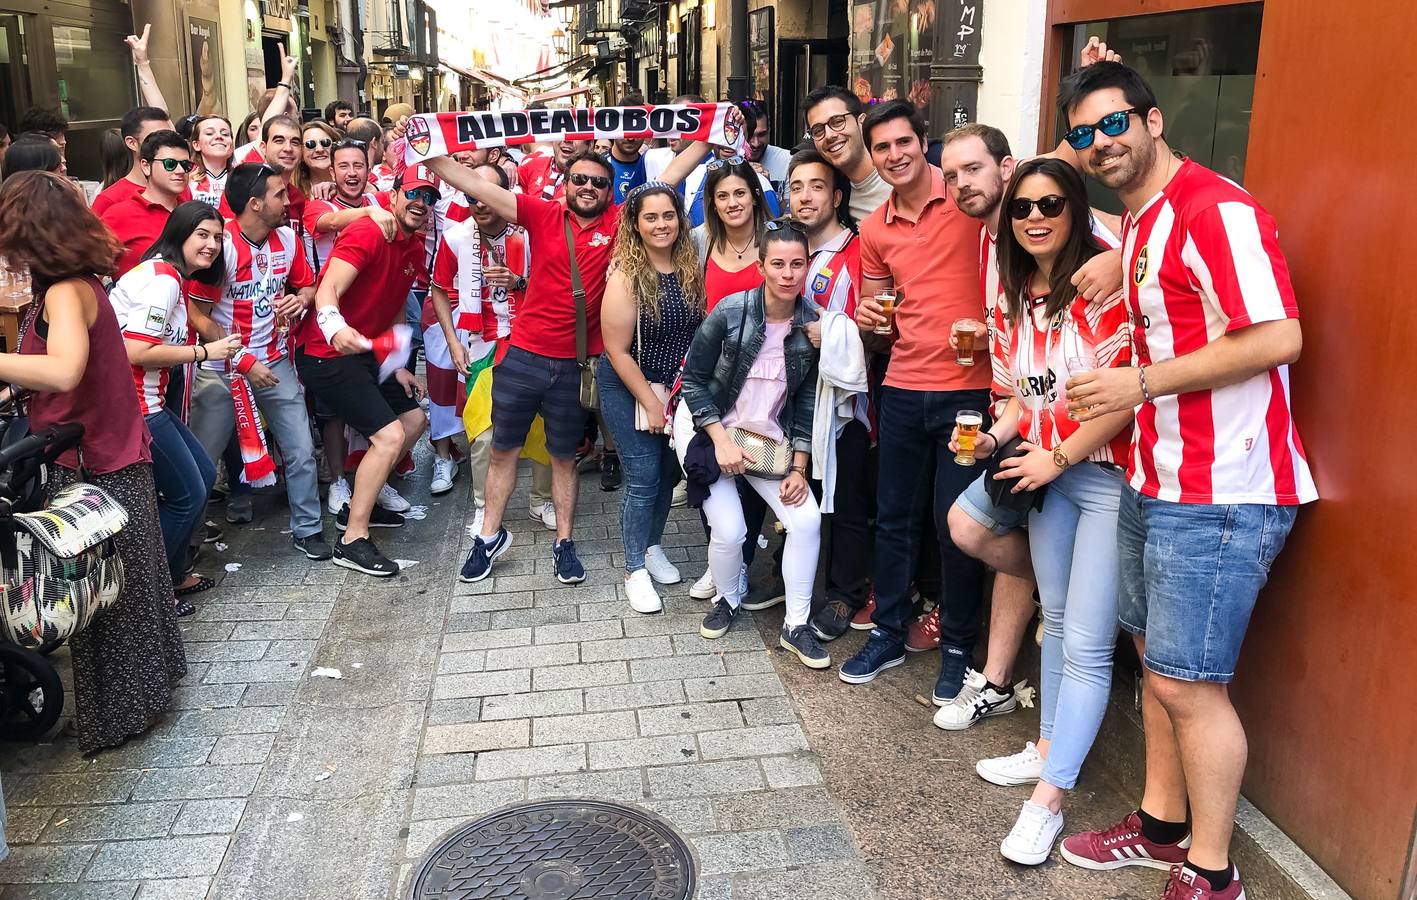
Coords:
922,700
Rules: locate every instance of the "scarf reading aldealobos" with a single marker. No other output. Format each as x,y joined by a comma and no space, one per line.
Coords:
438,134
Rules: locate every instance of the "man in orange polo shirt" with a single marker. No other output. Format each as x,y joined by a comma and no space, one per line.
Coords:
165,162
920,243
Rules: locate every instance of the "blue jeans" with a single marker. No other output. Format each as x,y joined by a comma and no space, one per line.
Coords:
650,466
1073,542
915,428
1190,574
184,475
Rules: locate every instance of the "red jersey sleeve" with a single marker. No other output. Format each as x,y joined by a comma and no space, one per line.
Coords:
1233,253
1110,332
206,293
357,245
300,275
872,265
535,214
445,268
314,209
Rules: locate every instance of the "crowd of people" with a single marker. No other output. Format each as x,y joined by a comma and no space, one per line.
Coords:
1119,451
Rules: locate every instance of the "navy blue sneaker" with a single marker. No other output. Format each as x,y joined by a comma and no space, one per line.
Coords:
954,660
483,554
568,566
880,653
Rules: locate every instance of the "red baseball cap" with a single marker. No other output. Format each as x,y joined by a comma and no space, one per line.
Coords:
417,177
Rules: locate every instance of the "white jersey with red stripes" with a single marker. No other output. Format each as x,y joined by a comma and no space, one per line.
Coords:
151,306
1201,260
480,308
318,244
452,207
257,277
833,283
382,177
1045,351
210,187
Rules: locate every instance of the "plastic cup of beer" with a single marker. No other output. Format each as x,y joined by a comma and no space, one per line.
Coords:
888,302
965,330
1079,365
967,424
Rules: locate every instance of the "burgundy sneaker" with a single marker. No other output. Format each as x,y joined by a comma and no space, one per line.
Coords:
1122,845
924,632
1187,885
862,620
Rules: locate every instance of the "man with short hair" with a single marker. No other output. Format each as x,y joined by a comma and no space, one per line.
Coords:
50,122
137,124
279,148
1216,472
629,165
164,163
834,117
921,241
772,158
268,283
339,113
540,374
382,174
324,219
544,176
360,296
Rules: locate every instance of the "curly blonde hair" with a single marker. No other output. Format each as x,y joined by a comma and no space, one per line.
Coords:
631,258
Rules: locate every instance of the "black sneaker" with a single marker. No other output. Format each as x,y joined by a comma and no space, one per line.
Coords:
803,642
362,556
765,595
314,546
954,662
569,569
210,533
832,620
719,619
484,552
610,476
379,518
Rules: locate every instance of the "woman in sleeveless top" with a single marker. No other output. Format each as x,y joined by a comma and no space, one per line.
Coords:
654,302
72,358
735,211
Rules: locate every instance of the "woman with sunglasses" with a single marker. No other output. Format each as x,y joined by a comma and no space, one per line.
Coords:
213,147
1054,333
752,370
72,357
151,304
654,303
735,211
316,139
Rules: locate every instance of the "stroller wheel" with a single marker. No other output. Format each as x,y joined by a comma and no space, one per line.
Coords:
31,695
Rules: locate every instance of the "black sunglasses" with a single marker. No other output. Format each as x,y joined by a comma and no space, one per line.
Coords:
427,195
1051,206
172,165
351,142
1112,124
581,179
322,142
835,123
715,164
779,224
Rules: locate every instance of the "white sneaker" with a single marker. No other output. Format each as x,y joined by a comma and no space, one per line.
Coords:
643,597
444,471
975,702
681,495
704,588
1024,767
545,513
1030,841
659,566
392,500
476,528
339,496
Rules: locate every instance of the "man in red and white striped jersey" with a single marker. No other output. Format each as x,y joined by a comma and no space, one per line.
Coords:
324,219
1216,471
268,283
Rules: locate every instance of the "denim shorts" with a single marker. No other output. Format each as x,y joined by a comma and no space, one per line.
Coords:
1188,578
525,384
975,501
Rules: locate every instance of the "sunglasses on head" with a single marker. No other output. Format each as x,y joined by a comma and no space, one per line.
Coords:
427,195
321,142
779,224
1050,206
715,164
172,165
1112,124
350,142
835,123
581,179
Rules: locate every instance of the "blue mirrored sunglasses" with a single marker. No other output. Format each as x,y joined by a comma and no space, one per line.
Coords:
1112,124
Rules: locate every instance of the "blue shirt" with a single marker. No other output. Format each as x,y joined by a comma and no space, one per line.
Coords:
628,176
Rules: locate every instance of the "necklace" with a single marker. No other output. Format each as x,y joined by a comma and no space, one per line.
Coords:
751,241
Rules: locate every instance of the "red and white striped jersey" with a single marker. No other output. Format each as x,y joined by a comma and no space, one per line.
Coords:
452,207
1044,351
210,187
257,276
152,307
382,177
1201,260
834,283
479,308
319,244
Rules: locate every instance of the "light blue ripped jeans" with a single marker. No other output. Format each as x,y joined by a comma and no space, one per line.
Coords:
1073,542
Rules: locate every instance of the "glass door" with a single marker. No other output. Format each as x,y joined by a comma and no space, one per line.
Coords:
15,92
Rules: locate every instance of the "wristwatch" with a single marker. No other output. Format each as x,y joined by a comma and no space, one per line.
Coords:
1060,459
519,283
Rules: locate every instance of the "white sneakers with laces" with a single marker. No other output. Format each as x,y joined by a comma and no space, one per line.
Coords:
659,566
392,500
545,513
444,471
641,593
1030,841
975,702
704,588
339,495
1024,767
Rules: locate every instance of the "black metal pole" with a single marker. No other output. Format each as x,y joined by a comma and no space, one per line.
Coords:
738,50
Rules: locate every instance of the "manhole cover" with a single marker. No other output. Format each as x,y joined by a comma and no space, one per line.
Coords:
558,850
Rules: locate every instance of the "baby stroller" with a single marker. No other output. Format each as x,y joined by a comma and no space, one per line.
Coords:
31,694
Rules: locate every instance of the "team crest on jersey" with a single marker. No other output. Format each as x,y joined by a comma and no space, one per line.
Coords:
1139,270
408,269
418,135
820,281
599,240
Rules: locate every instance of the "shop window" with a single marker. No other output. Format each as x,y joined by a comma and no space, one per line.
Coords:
1201,65
86,58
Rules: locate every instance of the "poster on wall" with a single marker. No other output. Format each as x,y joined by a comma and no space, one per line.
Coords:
921,53
761,43
204,48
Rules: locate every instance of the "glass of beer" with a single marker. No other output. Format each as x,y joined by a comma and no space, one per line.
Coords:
889,300
967,422
1078,365
964,331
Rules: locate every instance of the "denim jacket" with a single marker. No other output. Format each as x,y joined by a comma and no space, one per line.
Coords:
723,352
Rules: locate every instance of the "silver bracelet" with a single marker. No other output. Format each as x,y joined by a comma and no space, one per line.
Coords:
1145,391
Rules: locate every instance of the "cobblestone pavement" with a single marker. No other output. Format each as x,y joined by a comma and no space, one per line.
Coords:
268,782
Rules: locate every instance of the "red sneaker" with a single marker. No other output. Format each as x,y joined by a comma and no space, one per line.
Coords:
406,466
862,620
924,632
1122,845
1187,885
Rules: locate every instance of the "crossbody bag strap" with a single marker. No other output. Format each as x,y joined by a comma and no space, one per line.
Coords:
578,292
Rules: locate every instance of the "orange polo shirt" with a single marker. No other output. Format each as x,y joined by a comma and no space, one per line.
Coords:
935,260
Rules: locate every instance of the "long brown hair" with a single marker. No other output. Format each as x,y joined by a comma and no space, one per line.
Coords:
46,225
631,258
1017,265
723,169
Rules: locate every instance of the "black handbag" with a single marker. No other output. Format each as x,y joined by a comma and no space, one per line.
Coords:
1001,492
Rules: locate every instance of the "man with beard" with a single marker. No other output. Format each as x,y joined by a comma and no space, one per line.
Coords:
1216,471
544,175
539,374
628,164
279,148
339,113
834,124
774,160
360,296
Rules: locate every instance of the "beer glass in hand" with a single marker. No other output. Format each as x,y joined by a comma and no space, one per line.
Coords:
965,332
967,424
889,300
